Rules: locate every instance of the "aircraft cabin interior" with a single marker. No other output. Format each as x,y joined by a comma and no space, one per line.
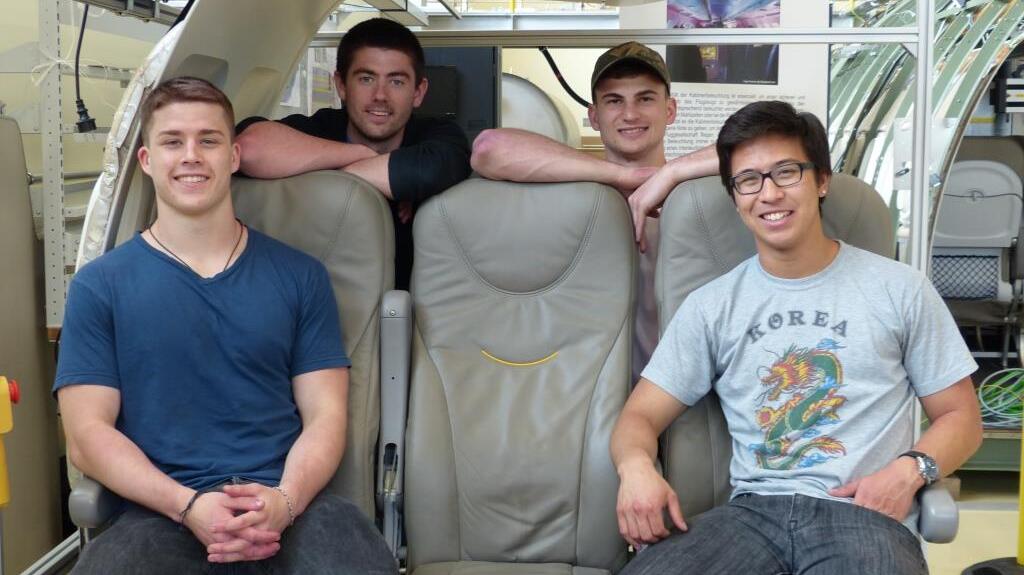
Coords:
488,372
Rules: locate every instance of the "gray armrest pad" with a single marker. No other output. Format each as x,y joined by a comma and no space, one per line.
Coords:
395,345
91,505
940,517
396,338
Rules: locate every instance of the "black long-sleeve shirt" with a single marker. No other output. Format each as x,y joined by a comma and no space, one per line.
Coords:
433,156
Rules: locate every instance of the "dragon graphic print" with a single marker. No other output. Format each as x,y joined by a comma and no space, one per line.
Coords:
800,401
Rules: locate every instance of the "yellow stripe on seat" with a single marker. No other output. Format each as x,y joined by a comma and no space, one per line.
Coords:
516,363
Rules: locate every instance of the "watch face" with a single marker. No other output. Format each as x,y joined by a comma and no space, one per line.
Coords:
929,470
926,466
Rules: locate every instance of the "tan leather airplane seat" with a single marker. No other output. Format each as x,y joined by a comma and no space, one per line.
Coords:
702,237
346,224
523,299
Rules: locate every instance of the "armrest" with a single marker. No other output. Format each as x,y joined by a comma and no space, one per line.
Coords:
940,517
91,505
1017,256
396,341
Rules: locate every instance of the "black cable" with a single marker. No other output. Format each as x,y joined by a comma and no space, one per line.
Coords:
182,14
561,80
982,196
78,51
85,123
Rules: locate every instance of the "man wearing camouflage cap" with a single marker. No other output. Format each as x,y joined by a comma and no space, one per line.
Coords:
632,105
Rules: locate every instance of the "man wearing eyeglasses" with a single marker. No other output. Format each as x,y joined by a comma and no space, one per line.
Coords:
818,351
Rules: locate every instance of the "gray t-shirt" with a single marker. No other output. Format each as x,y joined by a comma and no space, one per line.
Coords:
817,376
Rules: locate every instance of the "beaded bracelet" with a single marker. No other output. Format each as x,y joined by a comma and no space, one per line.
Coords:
288,502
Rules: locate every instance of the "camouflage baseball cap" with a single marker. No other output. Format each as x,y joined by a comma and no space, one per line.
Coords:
631,51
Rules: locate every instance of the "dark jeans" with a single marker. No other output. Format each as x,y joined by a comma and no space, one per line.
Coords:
332,536
785,534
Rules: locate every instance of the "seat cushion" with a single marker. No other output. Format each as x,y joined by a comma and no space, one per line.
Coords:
487,568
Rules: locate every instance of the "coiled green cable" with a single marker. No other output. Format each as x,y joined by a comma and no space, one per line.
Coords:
1000,397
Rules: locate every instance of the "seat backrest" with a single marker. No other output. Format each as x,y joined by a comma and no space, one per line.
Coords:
702,237
1007,150
523,299
981,206
32,517
346,224
978,224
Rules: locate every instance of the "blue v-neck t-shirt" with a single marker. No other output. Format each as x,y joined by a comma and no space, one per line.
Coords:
204,366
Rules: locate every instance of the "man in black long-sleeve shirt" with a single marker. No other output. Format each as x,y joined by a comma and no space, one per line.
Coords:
380,78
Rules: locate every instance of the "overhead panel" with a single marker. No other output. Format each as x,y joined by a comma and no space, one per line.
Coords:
149,10
401,11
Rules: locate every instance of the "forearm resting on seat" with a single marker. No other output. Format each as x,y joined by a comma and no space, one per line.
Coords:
374,170
102,452
520,156
274,150
696,164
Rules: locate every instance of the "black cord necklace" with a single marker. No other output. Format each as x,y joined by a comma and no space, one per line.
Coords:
241,230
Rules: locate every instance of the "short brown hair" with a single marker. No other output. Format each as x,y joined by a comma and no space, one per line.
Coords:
380,33
185,89
776,118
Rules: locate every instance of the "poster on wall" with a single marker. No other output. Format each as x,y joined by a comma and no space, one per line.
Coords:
711,82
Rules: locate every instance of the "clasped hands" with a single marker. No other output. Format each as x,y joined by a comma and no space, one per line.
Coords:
241,523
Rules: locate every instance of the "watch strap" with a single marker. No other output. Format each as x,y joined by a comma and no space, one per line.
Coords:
926,465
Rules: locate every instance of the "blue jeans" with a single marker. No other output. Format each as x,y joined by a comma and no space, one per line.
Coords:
331,536
785,534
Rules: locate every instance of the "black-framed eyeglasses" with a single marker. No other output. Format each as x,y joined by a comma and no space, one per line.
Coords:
783,175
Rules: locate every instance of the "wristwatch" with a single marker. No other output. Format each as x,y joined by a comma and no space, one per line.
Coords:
926,466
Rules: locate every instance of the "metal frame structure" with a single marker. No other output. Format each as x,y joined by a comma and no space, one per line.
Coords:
920,200
53,169
905,36
51,131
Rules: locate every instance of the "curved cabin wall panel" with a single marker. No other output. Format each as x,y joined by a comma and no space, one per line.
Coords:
873,88
249,53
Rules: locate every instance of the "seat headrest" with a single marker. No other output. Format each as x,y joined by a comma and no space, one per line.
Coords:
513,241
702,236
313,212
